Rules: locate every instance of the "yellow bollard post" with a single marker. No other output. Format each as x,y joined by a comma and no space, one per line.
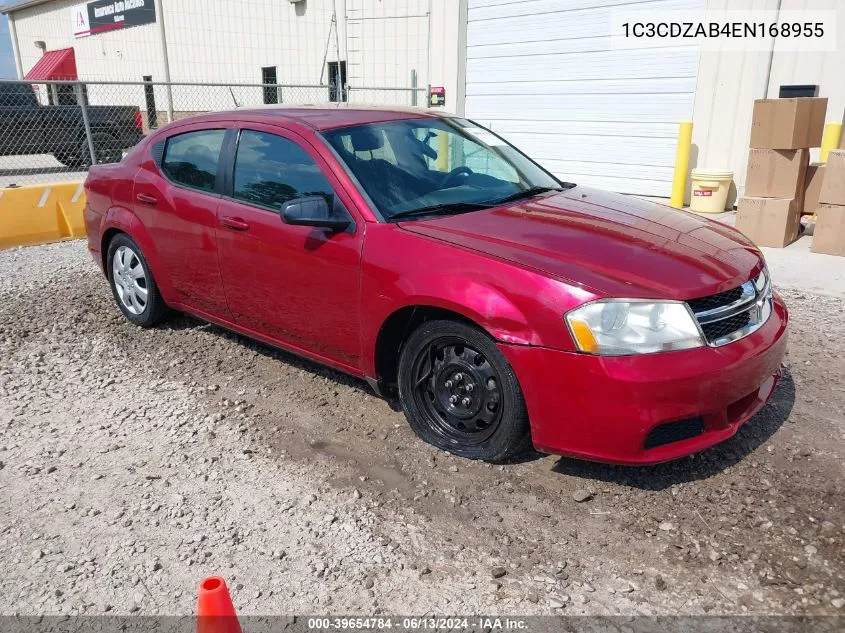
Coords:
830,140
442,152
679,180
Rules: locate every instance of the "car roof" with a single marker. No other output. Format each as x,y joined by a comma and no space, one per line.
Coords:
323,117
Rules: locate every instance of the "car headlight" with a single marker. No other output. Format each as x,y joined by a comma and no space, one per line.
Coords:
617,327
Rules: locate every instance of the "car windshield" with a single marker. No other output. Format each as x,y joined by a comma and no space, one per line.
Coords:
431,166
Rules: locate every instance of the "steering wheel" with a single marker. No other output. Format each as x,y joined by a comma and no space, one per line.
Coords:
458,172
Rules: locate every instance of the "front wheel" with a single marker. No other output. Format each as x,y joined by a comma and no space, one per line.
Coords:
460,394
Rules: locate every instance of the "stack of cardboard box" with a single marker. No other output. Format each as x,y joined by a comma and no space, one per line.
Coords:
813,187
829,234
782,131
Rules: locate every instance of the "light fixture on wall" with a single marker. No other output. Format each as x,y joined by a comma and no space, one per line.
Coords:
41,45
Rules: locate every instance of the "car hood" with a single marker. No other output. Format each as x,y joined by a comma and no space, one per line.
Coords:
611,244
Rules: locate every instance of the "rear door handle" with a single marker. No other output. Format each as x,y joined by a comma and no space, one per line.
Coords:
237,224
146,198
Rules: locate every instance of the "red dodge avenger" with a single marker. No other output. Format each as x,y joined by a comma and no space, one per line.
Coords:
503,307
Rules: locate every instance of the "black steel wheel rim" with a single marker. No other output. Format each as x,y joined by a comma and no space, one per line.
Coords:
458,390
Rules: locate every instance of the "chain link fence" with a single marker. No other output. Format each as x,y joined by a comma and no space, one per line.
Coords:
54,131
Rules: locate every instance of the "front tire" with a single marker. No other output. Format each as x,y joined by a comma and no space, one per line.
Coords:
132,283
460,394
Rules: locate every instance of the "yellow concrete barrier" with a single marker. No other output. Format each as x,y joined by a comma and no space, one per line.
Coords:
37,214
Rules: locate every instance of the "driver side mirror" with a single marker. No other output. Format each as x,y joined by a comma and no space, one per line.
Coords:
314,211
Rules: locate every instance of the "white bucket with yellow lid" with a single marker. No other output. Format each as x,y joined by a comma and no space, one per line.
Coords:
710,189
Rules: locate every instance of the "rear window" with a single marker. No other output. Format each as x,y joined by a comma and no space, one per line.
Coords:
191,159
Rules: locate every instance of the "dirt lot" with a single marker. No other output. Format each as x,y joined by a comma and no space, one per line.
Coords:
134,462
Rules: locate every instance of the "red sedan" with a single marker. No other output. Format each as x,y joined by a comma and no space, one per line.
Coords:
423,253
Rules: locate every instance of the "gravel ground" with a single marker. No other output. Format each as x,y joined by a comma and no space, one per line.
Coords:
135,462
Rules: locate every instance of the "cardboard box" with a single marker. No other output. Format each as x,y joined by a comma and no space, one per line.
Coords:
829,234
768,221
833,184
776,173
788,123
813,187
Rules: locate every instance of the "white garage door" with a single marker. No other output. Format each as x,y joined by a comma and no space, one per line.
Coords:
542,74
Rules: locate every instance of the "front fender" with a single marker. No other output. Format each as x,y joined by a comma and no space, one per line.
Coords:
487,306
513,304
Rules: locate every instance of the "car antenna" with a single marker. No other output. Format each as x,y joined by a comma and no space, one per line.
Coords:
232,92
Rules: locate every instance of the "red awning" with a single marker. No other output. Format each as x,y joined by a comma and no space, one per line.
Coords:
54,65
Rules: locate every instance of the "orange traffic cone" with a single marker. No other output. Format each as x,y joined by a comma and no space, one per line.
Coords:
215,611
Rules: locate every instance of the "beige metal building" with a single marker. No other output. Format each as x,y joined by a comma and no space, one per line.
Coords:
728,83
543,73
370,43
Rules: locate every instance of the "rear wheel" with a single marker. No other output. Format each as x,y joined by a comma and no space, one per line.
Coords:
132,283
106,148
460,394
68,159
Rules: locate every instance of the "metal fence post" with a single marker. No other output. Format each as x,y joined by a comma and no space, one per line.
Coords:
413,86
163,41
80,99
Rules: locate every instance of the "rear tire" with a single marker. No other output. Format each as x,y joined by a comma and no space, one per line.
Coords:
106,148
460,394
69,159
132,283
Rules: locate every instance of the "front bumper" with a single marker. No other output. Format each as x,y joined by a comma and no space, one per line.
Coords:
609,408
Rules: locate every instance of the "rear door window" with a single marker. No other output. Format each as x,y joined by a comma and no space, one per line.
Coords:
191,159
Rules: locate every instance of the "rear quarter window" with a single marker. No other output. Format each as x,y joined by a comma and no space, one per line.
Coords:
191,159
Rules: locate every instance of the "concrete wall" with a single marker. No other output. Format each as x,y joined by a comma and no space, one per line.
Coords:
728,83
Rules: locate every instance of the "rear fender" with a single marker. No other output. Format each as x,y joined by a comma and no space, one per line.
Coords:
125,220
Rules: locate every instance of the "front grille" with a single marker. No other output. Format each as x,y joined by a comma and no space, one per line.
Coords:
716,301
719,329
674,432
730,315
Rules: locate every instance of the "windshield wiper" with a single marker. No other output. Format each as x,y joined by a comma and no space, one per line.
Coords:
522,195
441,209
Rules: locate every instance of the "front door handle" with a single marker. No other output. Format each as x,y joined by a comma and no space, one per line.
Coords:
238,224
146,198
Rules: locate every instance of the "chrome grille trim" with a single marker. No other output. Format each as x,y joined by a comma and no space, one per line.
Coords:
755,301
748,297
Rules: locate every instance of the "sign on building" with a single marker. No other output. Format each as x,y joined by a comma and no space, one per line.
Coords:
107,15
